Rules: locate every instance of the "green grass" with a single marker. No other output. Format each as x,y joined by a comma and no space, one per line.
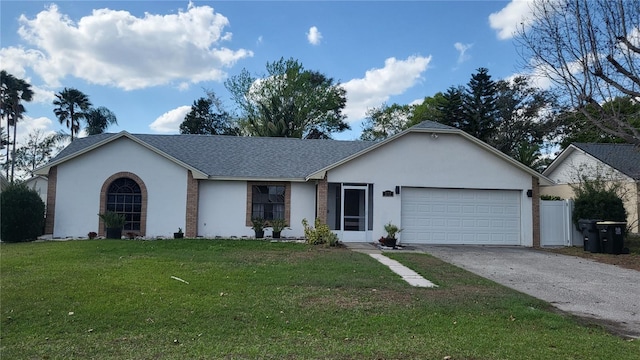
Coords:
108,299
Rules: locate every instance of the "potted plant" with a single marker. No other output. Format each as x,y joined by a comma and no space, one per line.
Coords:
179,234
278,225
258,226
113,223
390,240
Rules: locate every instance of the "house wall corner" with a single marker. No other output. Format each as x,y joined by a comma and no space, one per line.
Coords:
322,189
51,200
191,220
535,203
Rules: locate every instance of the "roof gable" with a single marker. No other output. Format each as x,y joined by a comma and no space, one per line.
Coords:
624,158
433,129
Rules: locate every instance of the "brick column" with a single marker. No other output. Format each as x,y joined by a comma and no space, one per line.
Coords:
322,189
52,183
535,203
191,221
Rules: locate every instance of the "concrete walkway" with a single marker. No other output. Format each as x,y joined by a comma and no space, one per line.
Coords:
408,275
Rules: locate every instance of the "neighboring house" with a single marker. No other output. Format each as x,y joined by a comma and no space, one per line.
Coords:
439,184
39,184
614,162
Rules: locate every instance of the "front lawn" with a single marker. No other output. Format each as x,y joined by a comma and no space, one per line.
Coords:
111,299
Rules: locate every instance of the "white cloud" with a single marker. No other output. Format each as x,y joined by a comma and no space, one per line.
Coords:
116,48
506,21
379,84
314,36
462,50
170,121
29,125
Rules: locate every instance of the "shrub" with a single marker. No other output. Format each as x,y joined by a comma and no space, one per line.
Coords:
320,235
22,214
595,200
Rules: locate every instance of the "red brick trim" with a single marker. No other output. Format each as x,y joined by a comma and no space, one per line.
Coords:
191,221
322,190
535,203
52,184
287,199
143,191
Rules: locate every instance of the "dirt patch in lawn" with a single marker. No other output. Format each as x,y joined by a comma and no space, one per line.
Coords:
628,261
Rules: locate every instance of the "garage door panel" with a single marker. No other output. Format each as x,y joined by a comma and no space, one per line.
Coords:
460,216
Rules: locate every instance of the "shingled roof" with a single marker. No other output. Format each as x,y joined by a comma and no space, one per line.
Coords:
233,157
622,157
259,158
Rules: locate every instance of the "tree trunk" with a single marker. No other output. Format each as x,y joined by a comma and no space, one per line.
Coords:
13,152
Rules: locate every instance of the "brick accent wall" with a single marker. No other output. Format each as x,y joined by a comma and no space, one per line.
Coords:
535,203
52,184
191,220
103,200
322,190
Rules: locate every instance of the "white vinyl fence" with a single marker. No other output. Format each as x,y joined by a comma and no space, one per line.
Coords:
556,227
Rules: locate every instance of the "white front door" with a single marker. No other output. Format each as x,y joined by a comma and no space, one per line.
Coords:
354,210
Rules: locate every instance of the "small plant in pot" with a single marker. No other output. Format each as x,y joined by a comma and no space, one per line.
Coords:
179,234
390,240
113,224
258,226
277,225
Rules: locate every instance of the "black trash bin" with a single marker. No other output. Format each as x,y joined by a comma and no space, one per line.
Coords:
612,236
590,234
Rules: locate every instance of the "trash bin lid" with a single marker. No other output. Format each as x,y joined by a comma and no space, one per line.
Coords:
611,223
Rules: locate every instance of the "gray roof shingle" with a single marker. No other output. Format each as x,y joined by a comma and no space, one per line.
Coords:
242,157
430,125
622,157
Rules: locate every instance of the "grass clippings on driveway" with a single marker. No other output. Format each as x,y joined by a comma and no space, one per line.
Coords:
108,299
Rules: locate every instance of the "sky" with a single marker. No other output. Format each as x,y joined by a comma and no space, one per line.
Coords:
148,61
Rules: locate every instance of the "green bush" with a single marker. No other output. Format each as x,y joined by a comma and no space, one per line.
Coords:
22,213
595,200
320,235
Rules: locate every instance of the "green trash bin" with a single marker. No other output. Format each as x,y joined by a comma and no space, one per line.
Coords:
612,236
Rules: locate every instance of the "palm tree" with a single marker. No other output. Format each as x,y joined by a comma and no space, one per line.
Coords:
71,107
14,91
99,119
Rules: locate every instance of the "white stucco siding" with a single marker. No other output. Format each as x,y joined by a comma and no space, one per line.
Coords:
223,209
39,184
80,180
579,163
303,205
448,161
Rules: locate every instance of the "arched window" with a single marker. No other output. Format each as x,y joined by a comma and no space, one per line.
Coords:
125,197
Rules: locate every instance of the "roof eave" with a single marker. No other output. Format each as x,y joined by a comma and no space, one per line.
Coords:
44,170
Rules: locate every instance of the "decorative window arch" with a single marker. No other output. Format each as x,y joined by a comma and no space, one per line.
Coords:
125,193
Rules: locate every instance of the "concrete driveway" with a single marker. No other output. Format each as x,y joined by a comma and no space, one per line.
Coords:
605,293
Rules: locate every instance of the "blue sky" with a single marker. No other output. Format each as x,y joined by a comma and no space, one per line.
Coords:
147,61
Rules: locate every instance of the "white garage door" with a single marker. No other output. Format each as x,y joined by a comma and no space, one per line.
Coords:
460,216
